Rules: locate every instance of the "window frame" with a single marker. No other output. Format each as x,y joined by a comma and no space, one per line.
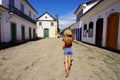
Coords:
40,23
22,7
85,30
90,33
52,23
30,13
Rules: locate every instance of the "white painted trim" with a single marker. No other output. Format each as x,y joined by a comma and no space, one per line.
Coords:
0,2
119,33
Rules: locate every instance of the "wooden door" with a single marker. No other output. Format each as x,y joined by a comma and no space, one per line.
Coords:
13,32
46,33
99,32
112,31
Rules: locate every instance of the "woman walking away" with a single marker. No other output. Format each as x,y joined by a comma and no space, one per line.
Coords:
67,46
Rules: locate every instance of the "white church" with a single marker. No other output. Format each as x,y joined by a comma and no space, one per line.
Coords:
47,26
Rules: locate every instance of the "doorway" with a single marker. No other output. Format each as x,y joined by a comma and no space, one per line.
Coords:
99,32
23,32
112,31
46,33
13,32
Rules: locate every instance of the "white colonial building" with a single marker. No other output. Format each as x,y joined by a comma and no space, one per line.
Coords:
17,20
82,9
101,24
47,26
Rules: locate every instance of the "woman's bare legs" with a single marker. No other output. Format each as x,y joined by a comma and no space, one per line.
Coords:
69,57
67,65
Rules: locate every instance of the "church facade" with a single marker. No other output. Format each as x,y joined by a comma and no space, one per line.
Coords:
47,26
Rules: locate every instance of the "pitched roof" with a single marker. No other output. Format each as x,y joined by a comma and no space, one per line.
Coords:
91,1
88,2
92,7
48,14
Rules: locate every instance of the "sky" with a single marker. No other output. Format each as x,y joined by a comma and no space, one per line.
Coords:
64,8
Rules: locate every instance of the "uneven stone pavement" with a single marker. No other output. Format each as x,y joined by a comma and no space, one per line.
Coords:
43,60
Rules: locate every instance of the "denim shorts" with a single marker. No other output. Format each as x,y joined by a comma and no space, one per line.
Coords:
67,51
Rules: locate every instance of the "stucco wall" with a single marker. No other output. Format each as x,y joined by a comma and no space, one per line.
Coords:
44,17
27,8
46,24
5,28
6,32
89,39
103,13
46,20
0,2
6,21
5,3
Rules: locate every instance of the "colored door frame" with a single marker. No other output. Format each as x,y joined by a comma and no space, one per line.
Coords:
112,31
13,32
99,32
46,33
23,32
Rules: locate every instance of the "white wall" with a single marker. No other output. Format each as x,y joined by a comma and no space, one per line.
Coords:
104,15
6,21
77,25
80,23
101,14
6,32
5,3
89,39
0,2
45,15
46,24
27,8
27,24
85,9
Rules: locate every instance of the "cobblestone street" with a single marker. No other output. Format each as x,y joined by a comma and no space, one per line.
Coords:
43,60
